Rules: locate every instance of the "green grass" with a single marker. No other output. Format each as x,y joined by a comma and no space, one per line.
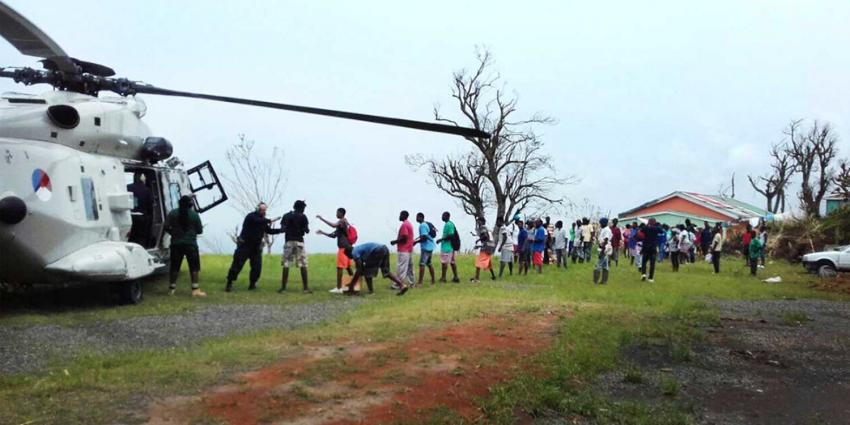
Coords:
101,388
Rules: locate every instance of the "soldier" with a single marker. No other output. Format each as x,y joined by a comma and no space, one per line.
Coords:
249,246
140,232
184,226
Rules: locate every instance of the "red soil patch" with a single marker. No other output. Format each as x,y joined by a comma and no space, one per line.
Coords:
839,285
379,383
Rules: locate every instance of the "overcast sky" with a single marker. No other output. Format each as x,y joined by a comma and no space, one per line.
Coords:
650,97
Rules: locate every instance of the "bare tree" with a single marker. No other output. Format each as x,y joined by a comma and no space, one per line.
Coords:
511,162
773,185
842,179
461,177
812,152
254,178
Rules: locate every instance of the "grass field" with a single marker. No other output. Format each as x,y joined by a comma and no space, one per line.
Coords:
107,388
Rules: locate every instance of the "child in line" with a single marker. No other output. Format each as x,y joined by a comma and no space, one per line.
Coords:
755,251
524,242
605,251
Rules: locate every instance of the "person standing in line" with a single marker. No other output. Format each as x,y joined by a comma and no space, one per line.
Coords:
486,247
627,232
616,239
448,253
341,233
295,225
539,246
763,237
755,251
572,243
427,232
605,249
549,233
745,240
368,259
650,250
514,230
586,238
524,247
184,225
639,239
707,239
560,244
249,246
673,248
662,243
685,244
715,248
505,246
404,243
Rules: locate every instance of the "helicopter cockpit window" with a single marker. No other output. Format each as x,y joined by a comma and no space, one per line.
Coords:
90,199
173,196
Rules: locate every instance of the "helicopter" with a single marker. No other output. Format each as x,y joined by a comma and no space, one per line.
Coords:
67,156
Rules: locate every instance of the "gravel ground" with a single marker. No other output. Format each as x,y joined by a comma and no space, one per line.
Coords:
29,348
768,362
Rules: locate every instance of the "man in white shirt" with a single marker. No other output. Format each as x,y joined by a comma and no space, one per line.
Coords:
560,243
505,246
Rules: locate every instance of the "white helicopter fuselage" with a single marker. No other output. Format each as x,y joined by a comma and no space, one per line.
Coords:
73,182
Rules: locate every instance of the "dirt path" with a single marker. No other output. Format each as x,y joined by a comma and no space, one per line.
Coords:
430,375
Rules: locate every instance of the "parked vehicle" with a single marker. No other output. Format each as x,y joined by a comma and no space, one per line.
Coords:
829,262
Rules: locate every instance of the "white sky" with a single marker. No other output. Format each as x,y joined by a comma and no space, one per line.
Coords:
650,97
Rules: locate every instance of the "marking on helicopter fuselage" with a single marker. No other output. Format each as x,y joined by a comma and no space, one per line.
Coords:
41,185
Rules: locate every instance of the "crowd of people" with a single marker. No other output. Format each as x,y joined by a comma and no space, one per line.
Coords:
527,244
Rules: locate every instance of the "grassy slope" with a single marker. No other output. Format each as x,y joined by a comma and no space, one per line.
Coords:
94,388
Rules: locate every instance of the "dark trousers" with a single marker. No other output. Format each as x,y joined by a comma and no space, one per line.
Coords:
649,255
245,252
674,258
559,255
754,264
715,260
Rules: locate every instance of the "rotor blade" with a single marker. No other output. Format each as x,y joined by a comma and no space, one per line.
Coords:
418,125
30,40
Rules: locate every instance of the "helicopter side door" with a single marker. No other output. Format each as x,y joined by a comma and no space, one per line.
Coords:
206,186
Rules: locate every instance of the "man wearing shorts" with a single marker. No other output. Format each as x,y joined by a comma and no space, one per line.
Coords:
539,246
426,247
368,259
404,242
447,252
295,226
341,234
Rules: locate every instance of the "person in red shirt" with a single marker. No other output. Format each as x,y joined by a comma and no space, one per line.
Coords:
616,238
404,241
748,237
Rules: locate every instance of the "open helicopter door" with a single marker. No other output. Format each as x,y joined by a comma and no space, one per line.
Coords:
206,186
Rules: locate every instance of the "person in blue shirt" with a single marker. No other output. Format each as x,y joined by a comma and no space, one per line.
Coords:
369,258
426,247
522,242
539,246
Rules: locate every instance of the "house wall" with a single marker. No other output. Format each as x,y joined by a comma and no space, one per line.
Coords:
680,205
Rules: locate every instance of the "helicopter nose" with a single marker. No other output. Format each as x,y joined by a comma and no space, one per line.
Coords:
12,210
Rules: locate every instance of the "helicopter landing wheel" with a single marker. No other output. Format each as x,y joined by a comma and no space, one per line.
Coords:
131,292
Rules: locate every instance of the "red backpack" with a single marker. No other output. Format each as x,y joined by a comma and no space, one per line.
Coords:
352,234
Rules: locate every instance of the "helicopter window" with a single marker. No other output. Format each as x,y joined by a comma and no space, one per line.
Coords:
90,199
97,121
173,196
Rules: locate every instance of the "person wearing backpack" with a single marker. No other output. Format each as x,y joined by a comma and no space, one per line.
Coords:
346,236
404,243
486,249
427,233
449,245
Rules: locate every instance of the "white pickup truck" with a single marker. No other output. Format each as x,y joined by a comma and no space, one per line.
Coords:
828,263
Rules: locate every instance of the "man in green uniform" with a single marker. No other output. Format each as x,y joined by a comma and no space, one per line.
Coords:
184,226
